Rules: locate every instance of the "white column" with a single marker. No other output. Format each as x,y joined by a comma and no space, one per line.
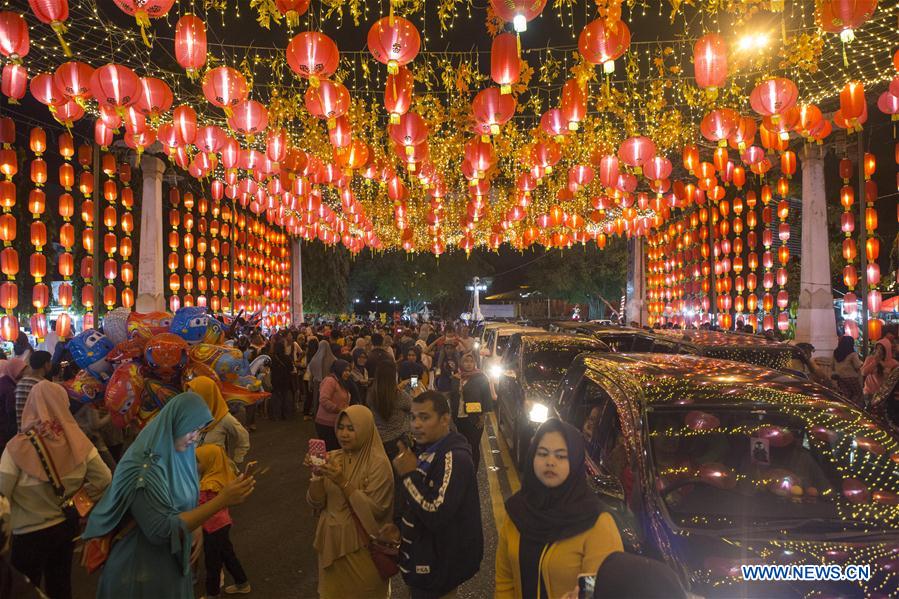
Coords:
150,274
635,293
296,281
816,321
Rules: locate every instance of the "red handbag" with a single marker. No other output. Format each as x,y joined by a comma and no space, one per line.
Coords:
384,547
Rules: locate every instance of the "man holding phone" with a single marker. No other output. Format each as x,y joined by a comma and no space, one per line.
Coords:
443,539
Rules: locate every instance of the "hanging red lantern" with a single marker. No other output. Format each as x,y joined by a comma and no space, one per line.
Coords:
224,87
327,101
492,110
45,91
143,11
292,10
14,41
773,96
393,41
398,93
518,12
852,101
14,82
9,296
505,64
115,85
155,99
251,117
573,104
73,80
54,13
718,125
843,16
190,44
553,123
710,63
184,120
603,41
9,327
635,151
313,55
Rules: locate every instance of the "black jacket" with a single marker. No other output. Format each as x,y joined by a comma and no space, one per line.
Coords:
443,539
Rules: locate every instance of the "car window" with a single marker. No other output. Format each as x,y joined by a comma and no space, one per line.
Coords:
502,342
549,362
488,341
596,416
642,344
664,347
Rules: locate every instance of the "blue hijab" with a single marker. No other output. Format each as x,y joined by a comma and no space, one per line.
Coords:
152,464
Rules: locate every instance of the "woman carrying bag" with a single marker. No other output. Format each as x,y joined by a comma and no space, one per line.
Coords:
353,495
556,529
42,468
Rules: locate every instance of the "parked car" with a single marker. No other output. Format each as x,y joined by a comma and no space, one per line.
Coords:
533,365
494,343
710,465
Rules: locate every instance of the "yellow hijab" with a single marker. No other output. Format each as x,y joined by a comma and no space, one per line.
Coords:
207,388
215,471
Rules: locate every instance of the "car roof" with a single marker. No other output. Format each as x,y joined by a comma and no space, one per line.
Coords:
665,379
541,336
720,339
512,329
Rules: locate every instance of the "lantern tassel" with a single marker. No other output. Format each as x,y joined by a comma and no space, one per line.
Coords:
845,58
59,28
143,21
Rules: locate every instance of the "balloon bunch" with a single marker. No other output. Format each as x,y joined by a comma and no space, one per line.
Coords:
139,361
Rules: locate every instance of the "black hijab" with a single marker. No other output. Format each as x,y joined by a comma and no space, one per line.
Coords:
337,369
548,515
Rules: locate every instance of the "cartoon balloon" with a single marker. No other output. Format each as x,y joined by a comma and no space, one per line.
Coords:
156,394
123,394
115,325
257,364
89,350
227,362
84,388
166,354
215,332
154,322
190,323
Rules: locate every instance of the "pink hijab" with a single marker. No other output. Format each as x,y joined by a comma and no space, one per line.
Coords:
12,368
47,413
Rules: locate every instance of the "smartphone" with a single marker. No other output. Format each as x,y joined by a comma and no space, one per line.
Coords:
585,586
318,452
413,382
251,466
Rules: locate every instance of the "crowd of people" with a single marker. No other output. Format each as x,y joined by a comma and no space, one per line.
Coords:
400,414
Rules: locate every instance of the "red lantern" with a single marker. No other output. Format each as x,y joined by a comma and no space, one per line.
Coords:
292,10
313,55
398,93
843,16
54,13
553,123
492,109
505,64
409,131
190,44
574,103
327,101
9,327
115,85
773,96
251,117
602,41
852,101
276,145
710,62
156,97
224,87
518,12
718,125
14,42
393,41
184,121
45,91
73,80
143,11
635,151
14,82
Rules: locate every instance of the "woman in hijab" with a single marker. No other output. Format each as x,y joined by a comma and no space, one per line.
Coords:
556,529
319,367
10,373
152,506
41,468
215,475
847,370
474,400
225,430
334,397
282,378
356,480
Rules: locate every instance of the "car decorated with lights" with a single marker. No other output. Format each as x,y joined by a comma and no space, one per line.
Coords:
533,364
710,465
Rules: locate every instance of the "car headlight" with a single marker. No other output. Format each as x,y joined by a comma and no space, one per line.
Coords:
538,413
495,371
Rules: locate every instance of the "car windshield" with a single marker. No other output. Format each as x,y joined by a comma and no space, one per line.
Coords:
502,342
775,358
550,362
726,466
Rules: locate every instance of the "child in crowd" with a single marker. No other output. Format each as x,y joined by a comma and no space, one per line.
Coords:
215,472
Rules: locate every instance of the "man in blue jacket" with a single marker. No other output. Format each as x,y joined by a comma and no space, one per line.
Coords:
443,540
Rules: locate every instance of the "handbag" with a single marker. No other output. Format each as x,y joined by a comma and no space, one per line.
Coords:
80,503
96,551
383,547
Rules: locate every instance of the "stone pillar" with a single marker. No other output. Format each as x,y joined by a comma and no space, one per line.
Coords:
635,293
816,320
150,273
296,281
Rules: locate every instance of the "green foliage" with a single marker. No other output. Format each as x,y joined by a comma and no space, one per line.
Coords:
325,273
440,281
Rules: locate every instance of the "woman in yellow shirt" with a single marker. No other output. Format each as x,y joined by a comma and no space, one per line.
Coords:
555,528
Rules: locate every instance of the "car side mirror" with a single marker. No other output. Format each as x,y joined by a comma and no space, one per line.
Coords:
608,485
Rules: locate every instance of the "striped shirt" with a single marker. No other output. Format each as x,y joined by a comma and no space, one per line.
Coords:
26,383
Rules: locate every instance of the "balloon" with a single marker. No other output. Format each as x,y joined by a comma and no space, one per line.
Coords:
115,325
155,322
123,394
227,362
190,323
89,350
698,421
215,332
84,388
166,354
777,436
257,364
154,397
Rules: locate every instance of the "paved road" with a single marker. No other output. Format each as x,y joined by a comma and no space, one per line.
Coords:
273,530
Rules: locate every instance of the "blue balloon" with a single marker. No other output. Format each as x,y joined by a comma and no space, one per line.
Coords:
89,350
190,323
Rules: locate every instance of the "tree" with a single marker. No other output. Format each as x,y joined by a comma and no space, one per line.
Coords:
325,274
584,274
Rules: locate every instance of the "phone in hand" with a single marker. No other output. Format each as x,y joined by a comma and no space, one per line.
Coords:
251,466
413,382
585,586
318,453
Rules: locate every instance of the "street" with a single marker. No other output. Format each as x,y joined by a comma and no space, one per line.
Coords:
273,530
